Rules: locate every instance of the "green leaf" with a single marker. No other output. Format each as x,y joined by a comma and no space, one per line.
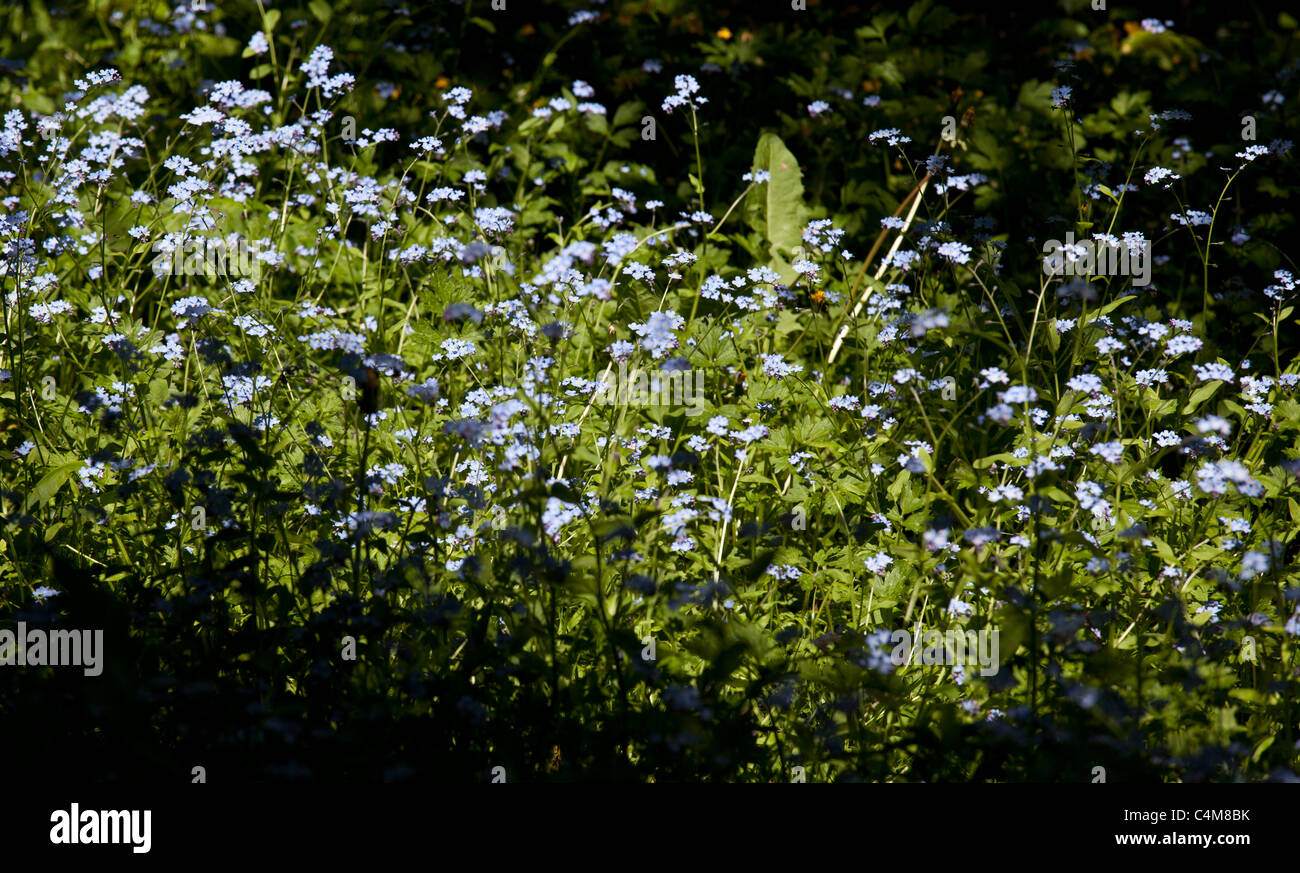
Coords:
887,72
1013,627
1164,551
629,113
321,10
898,485
50,484
987,152
1200,395
1125,103
1036,95
776,208
1109,308
917,12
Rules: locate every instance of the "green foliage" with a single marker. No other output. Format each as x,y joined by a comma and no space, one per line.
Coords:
355,508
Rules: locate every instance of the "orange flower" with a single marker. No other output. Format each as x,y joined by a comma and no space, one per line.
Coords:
441,82
724,33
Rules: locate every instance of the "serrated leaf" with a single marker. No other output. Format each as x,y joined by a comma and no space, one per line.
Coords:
629,113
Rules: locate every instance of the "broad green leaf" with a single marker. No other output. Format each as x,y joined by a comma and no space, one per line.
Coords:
776,208
50,484
1200,395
